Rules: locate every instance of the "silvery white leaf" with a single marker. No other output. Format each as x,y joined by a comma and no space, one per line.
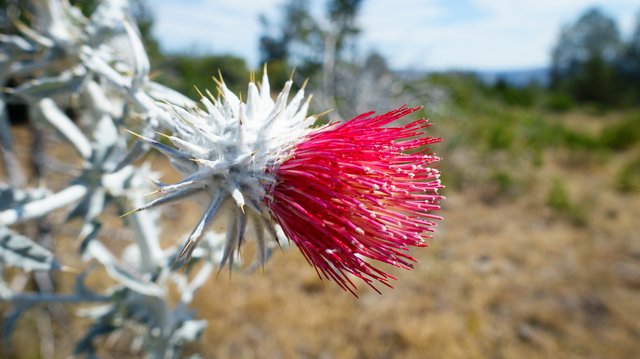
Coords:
34,36
15,46
189,330
160,92
97,201
51,19
12,197
41,207
167,150
116,183
74,15
97,100
122,275
19,251
26,68
94,62
146,229
68,82
49,111
198,281
140,58
105,134
94,312
80,209
107,17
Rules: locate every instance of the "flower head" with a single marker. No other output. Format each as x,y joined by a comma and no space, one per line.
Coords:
343,193
357,190
223,152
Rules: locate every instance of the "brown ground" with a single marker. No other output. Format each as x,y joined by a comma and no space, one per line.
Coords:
504,278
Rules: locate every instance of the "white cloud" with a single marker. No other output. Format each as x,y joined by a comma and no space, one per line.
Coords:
495,34
220,26
431,34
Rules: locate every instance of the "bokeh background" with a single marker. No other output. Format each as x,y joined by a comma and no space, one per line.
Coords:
538,105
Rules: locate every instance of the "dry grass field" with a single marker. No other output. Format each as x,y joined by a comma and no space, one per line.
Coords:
538,257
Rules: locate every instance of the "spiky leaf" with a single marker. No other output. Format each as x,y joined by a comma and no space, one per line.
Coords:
19,251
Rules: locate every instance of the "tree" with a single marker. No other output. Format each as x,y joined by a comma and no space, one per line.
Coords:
630,64
314,45
584,59
295,28
302,39
283,42
634,44
185,73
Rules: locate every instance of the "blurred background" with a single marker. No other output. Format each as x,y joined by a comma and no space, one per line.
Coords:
538,105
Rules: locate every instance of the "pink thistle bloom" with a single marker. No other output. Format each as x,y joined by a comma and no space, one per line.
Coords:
355,190
347,194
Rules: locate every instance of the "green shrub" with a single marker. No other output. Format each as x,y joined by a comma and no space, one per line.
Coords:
506,184
628,179
515,96
559,102
500,137
559,201
577,140
183,72
463,88
541,133
452,177
523,97
622,135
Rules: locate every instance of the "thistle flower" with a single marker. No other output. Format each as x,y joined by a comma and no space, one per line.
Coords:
343,193
356,190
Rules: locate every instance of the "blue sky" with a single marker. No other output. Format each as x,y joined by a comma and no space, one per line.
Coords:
425,34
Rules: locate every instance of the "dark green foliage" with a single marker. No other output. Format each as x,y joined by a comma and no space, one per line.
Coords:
558,101
592,63
623,135
506,185
86,6
628,179
595,81
561,204
279,73
542,133
500,137
515,96
183,73
462,88
584,56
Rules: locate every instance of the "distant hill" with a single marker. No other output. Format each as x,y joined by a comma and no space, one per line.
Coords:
518,78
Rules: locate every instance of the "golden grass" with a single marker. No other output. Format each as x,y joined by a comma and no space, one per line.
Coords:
503,279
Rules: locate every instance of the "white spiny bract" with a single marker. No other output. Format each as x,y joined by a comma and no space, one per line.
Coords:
225,152
96,66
